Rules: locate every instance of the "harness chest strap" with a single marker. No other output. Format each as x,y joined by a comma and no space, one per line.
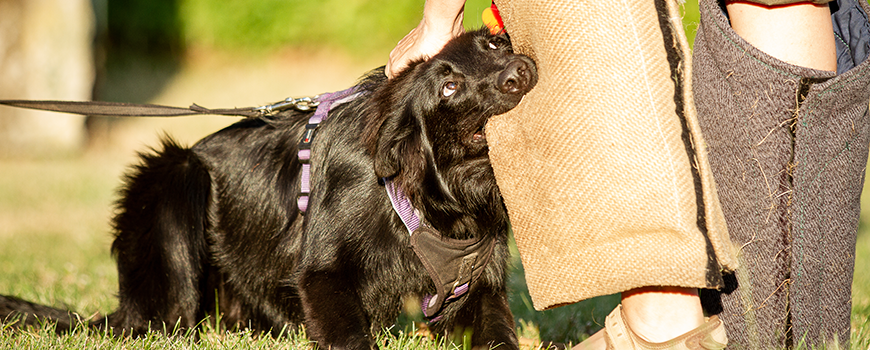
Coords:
452,264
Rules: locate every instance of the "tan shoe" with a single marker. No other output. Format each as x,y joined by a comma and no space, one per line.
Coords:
617,336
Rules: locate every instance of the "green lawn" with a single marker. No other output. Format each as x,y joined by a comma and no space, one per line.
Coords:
54,249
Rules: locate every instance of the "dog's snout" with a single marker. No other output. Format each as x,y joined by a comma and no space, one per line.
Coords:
517,78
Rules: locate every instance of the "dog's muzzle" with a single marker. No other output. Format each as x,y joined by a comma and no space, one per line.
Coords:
518,77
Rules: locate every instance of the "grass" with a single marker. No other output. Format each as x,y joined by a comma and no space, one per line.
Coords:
54,249
202,338
861,282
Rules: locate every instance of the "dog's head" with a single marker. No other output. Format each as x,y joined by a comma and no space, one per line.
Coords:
429,133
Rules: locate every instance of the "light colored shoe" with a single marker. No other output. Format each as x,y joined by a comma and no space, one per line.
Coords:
617,336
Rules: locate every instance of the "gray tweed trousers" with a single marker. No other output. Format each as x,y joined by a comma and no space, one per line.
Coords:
788,147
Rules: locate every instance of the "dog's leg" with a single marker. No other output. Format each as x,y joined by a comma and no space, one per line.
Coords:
334,316
488,313
160,246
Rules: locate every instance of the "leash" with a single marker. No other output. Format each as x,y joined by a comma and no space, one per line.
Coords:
321,104
123,109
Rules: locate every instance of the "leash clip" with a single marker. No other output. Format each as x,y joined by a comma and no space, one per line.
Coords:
302,104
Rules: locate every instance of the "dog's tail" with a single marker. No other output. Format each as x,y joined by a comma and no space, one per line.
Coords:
159,247
160,244
16,312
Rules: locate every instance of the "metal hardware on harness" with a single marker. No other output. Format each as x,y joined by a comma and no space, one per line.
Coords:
322,103
302,104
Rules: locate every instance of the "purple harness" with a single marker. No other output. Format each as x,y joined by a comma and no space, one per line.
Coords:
452,264
325,102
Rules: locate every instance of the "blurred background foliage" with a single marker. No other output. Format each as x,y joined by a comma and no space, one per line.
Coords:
362,27
141,45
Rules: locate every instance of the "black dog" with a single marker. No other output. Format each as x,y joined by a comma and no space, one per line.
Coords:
219,222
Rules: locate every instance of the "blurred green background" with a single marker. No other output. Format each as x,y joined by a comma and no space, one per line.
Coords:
142,45
363,27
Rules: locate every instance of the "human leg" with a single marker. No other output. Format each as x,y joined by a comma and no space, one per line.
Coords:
801,33
788,146
659,314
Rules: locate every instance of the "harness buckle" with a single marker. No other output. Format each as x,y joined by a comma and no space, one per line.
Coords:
304,154
302,202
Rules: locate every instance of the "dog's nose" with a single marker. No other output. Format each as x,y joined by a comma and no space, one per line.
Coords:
517,78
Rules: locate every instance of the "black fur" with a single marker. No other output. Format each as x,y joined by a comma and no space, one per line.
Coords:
218,221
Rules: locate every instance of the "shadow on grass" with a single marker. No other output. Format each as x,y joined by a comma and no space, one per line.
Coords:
566,324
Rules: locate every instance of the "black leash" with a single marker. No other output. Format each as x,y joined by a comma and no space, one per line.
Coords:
122,109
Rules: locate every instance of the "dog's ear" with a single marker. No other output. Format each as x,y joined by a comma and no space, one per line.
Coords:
394,134
399,149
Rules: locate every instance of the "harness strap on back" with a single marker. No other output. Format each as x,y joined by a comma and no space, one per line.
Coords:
324,103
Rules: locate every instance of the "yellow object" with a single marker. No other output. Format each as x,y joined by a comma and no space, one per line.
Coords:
492,21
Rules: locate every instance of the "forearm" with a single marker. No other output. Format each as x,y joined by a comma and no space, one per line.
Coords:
442,20
443,15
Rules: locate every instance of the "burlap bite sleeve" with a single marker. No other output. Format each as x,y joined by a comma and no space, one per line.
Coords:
602,166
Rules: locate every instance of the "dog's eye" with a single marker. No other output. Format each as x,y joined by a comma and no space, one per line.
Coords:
449,89
493,45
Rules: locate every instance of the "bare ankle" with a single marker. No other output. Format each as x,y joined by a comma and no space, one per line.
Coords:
659,314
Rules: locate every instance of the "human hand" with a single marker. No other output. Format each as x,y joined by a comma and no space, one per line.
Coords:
441,22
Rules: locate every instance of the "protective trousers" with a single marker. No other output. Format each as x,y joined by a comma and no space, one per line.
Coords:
788,148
